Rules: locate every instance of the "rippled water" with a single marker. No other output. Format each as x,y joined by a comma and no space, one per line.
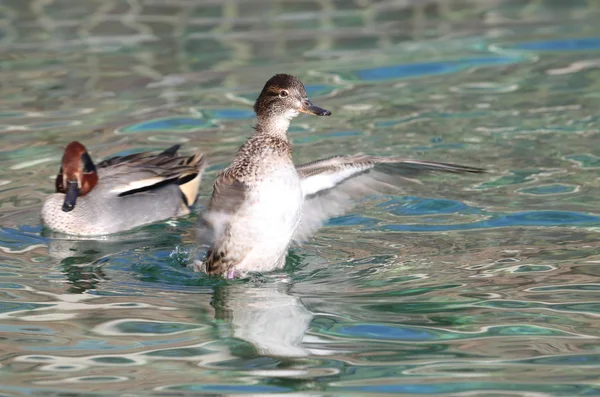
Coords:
473,285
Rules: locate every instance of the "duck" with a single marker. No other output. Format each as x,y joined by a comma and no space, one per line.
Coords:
262,203
121,192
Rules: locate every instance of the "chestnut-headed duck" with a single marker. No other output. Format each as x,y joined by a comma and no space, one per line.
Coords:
122,192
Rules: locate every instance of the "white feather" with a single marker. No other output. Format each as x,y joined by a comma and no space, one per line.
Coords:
316,183
133,185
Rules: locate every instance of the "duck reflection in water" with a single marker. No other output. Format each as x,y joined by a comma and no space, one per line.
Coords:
82,259
265,315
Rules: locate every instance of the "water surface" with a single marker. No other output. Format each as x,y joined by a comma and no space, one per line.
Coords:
464,285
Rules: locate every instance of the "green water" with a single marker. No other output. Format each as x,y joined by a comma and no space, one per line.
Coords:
472,285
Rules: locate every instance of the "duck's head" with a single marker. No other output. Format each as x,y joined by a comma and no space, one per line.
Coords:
77,175
284,97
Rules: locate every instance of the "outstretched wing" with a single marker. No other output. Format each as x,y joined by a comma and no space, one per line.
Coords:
331,186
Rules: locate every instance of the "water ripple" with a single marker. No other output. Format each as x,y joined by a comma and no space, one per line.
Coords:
168,124
425,334
575,44
525,218
390,298
384,73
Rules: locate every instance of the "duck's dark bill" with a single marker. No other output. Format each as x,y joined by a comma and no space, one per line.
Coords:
70,196
309,108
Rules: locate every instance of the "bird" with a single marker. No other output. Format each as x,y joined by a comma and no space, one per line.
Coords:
262,203
121,192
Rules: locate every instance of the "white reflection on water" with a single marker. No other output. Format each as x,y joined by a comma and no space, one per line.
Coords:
266,316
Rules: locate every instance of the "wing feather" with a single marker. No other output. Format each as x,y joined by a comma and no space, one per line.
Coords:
331,186
228,195
142,172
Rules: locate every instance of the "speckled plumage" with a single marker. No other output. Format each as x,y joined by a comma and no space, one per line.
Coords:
261,203
263,164
256,201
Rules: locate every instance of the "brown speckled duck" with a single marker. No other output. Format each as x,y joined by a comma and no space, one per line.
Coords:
262,202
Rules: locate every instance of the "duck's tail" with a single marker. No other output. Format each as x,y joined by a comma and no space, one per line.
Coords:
189,182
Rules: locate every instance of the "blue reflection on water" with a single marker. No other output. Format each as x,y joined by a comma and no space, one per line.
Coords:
429,68
168,124
525,218
588,43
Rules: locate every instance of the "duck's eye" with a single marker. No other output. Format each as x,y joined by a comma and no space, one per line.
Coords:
283,93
